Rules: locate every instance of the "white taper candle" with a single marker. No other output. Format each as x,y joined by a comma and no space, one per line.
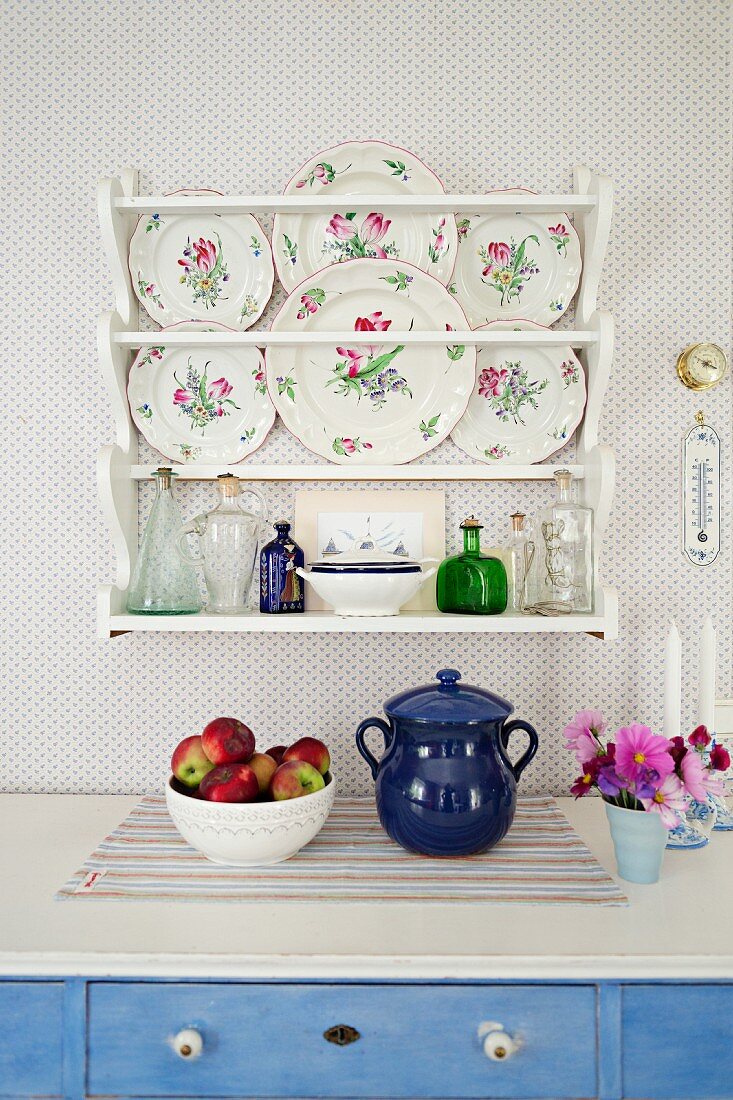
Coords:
706,699
672,682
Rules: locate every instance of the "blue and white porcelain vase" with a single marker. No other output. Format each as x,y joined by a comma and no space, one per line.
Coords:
639,839
697,825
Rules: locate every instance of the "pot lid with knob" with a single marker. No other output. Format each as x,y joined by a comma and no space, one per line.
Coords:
448,701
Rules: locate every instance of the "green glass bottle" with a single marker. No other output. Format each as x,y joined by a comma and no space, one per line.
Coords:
472,583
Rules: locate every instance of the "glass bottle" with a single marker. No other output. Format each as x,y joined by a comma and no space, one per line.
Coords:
562,567
228,538
472,583
162,584
516,562
281,589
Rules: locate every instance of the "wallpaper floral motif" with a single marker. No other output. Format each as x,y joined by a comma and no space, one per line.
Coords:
93,88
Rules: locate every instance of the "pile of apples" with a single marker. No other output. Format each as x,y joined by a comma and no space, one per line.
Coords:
221,765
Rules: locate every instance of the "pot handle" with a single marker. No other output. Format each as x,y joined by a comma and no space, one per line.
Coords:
534,741
386,733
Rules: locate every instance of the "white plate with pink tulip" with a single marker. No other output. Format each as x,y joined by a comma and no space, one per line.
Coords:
207,267
372,401
305,243
200,404
516,265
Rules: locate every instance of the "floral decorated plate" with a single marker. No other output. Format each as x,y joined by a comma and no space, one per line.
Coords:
526,403
206,267
304,243
202,404
522,264
373,400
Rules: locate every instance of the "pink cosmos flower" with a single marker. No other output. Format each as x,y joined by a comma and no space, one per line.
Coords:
182,397
693,775
669,801
220,389
341,227
559,230
638,749
491,382
719,758
499,252
585,721
699,736
205,255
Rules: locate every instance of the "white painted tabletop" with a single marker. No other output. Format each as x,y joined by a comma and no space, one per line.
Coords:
678,928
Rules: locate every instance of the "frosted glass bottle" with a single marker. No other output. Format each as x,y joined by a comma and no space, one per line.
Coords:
161,583
562,568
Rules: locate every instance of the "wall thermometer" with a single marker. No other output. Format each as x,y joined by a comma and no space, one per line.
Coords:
701,493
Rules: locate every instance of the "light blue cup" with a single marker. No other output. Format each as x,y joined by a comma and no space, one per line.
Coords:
639,840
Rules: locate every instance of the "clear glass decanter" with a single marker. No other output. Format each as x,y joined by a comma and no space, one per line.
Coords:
471,583
162,584
561,572
228,539
516,562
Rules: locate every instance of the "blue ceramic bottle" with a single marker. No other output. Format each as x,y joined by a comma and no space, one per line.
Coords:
281,589
445,785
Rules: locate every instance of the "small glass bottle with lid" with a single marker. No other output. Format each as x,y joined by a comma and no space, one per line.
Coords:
161,583
517,562
562,567
472,583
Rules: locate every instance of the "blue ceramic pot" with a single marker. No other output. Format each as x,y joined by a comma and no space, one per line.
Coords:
445,785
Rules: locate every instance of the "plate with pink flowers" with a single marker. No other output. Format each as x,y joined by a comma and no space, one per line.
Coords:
516,265
205,267
526,403
200,404
370,400
305,243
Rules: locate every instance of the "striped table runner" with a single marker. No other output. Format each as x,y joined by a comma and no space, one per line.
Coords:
541,860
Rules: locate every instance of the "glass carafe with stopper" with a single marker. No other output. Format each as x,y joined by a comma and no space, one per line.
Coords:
561,578
162,584
472,583
228,538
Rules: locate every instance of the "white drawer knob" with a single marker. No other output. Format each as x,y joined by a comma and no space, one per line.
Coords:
188,1043
498,1044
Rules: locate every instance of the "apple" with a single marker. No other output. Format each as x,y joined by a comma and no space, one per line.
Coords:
295,778
189,762
230,783
312,751
264,768
227,741
276,752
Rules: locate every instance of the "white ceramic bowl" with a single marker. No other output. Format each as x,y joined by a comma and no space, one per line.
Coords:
367,593
249,834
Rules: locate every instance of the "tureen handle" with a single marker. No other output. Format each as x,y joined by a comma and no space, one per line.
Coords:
386,733
534,741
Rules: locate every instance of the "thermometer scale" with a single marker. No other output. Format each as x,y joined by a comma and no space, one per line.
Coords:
701,493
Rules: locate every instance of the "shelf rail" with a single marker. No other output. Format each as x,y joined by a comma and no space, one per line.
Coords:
328,202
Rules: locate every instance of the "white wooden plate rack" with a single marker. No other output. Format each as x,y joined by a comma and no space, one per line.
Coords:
118,470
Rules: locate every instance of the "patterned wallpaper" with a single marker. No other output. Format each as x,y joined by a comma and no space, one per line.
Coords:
235,96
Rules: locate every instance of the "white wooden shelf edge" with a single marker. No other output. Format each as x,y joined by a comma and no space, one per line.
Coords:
254,472
602,623
326,204
260,338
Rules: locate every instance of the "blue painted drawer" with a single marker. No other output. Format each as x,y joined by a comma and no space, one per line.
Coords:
31,1038
678,1041
267,1040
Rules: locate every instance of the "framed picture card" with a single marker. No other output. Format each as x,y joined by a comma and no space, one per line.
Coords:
407,523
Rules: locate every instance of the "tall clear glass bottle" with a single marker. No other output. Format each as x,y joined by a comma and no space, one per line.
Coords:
562,567
516,562
161,583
